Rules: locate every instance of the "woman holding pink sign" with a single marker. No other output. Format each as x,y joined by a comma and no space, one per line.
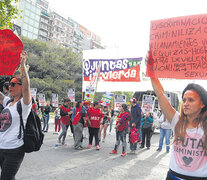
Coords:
189,148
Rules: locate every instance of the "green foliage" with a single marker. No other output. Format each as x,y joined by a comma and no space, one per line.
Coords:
53,69
8,12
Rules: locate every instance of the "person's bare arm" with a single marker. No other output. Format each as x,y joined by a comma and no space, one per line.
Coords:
165,105
25,79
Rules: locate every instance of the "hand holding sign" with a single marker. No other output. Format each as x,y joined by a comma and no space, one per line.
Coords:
10,50
23,57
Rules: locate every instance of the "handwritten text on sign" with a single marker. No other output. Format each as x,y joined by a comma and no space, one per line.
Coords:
10,49
179,48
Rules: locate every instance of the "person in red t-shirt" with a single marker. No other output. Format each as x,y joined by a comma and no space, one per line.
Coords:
94,117
64,120
122,129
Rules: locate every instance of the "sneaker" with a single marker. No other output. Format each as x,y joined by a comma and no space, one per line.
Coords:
141,147
159,149
78,148
64,144
123,154
89,146
113,152
97,147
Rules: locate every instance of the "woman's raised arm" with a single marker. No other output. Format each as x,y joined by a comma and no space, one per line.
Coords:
165,105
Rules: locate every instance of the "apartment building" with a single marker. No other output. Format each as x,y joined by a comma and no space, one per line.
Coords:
39,22
45,23
62,30
29,22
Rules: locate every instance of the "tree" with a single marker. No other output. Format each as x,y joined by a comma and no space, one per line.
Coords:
53,69
8,12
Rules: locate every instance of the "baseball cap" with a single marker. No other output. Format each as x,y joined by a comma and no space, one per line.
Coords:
133,100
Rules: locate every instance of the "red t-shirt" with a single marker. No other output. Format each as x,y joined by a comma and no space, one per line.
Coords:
123,119
65,119
95,116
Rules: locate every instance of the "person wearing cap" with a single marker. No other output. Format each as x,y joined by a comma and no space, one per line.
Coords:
189,145
11,144
65,113
79,127
135,115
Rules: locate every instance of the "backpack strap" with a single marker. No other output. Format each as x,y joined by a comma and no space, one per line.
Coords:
10,100
19,110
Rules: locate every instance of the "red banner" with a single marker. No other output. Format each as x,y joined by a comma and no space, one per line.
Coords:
10,50
178,48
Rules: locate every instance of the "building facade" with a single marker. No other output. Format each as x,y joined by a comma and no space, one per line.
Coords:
39,22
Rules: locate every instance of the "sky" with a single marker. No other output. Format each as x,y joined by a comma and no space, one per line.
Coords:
125,23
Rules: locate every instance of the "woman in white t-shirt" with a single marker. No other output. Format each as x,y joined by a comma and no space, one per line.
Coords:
189,147
11,144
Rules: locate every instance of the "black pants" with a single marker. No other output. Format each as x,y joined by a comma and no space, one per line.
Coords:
10,161
93,132
71,127
146,133
172,175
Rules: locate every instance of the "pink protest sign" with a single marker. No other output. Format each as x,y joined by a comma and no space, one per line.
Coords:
178,48
10,50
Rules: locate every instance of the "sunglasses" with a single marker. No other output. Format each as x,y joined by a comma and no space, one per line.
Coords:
12,84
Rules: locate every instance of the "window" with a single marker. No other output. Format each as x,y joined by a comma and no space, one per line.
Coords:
38,11
35,30
33,8
29,35
36,24
26,12
27,5
25,26
32,15
26,19
24,33
37,17
30,28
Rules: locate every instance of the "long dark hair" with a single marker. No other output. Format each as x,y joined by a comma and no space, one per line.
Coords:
124,106
181,126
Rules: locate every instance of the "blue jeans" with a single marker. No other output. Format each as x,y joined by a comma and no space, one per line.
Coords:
46,122
165,133
121,135
111,124
140,133
133,146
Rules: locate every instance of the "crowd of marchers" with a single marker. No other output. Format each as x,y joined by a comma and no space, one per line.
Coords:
189,126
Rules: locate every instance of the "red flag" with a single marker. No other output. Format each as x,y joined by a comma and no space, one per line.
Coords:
10,50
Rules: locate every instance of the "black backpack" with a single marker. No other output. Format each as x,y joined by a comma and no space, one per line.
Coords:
33,136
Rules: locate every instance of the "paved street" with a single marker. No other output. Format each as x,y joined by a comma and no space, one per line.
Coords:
65,163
